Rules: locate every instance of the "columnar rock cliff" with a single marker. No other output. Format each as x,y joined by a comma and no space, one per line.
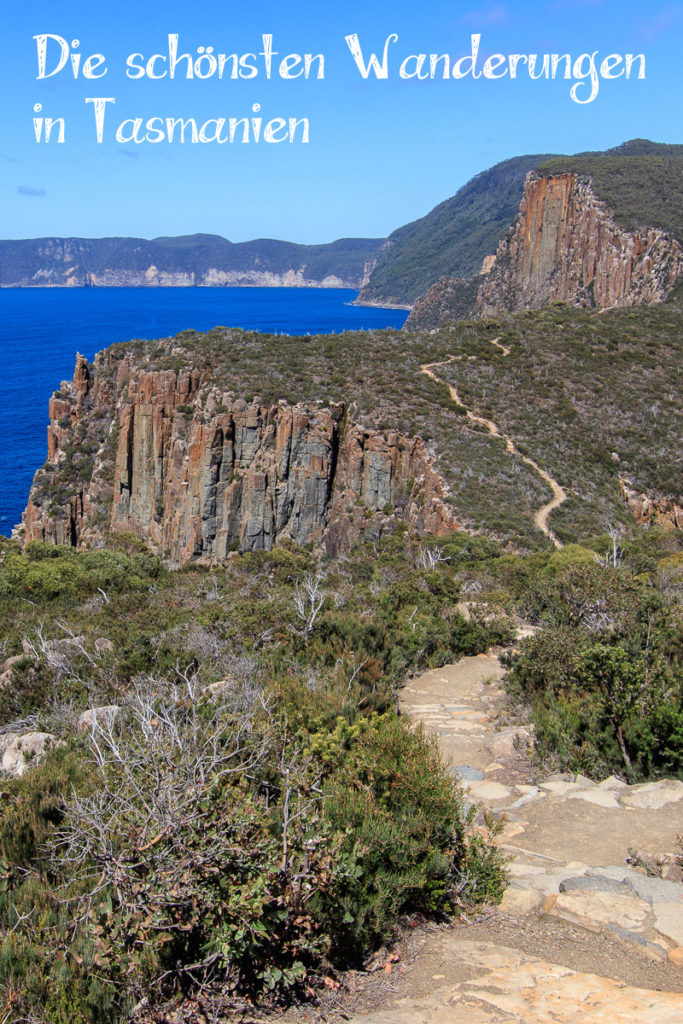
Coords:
197,473
451,240
564,247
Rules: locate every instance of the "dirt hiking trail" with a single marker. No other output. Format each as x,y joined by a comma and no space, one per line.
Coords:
559,495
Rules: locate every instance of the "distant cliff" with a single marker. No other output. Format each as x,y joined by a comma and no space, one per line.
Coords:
197,473
565,246
433,263
186,261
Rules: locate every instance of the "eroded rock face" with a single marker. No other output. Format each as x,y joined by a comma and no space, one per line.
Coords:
197,473
647,508
78,413
565,247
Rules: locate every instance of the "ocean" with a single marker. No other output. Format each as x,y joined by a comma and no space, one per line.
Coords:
42,329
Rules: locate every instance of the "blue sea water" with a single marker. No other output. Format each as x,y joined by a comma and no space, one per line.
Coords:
41,330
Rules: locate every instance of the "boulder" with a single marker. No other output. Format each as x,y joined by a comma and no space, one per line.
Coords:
6,739
27,750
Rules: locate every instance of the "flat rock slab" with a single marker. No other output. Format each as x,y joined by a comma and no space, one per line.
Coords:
521,901
465,771
499,985
547,882
669,922
506,742
487,791
574,829
595,883
454,685
652,799
655,950
656,890
612,782
599,797
595,909
558,787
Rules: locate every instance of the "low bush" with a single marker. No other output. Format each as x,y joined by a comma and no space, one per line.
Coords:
228,841
603,676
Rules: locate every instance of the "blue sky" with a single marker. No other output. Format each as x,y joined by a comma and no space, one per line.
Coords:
380,152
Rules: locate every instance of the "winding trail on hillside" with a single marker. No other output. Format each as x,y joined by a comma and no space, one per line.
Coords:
503,348
542,514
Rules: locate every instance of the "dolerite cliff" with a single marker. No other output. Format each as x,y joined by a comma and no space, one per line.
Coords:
564,246
196,472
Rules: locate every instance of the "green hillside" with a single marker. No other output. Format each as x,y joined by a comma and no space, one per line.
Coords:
560,360
454,238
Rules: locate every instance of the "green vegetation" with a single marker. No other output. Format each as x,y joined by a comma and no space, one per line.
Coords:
603,676
609,378
256,816
291,850
249,837
384,614
590,396
449,300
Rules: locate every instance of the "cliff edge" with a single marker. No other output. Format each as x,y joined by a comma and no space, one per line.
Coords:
197,472
565,246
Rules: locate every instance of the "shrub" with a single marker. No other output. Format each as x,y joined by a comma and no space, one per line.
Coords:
603,678
224,841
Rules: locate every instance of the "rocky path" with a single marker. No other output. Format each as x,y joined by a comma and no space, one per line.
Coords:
559,495
582,936
568,837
